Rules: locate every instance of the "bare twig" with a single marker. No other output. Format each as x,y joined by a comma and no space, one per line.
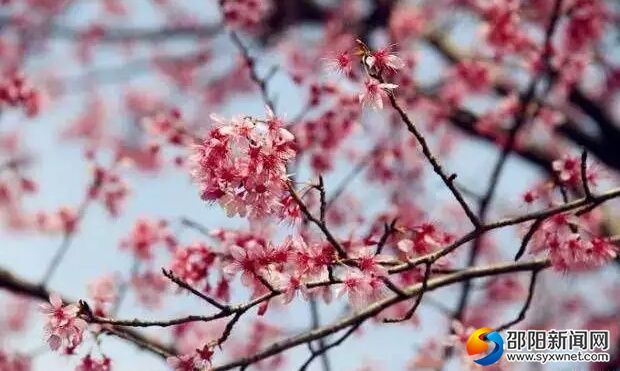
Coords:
251,62
418,300
172,277
528,302
69,234
195,226
316,323
304,209
388,229
528,236
447,179
323,350
584,174
321,189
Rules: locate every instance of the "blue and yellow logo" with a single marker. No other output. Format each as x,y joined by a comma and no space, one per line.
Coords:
478,344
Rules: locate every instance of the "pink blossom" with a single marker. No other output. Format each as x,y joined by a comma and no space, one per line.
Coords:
368,262
242,166
88,363
145,236
14,362
374,93
149,288
63,326
342,63
383,60
16,91
192,263
184,362
407,22
290,285
245,261
103,290
361,289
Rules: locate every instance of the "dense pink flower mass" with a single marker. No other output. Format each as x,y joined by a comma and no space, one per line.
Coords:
63,327
280,185
242,165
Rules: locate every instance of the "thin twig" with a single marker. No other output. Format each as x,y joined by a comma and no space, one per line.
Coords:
584,174
526,306
304,209
418,300
323,350
388,229
528,236
251,62
172,277
321,189
447,179
316,323
186,222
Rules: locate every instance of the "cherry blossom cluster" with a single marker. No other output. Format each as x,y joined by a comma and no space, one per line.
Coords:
149,288
17,91
64,328
109,188
569,172
104,293
242,164
88,363
374,64
145,236
569,246
192,263
168,125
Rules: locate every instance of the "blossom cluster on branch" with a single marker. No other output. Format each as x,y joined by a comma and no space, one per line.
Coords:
362,156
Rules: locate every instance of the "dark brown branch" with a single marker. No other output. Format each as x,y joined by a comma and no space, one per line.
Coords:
229,327
22,287
322,199
584,174
379,306
577,206
388,229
